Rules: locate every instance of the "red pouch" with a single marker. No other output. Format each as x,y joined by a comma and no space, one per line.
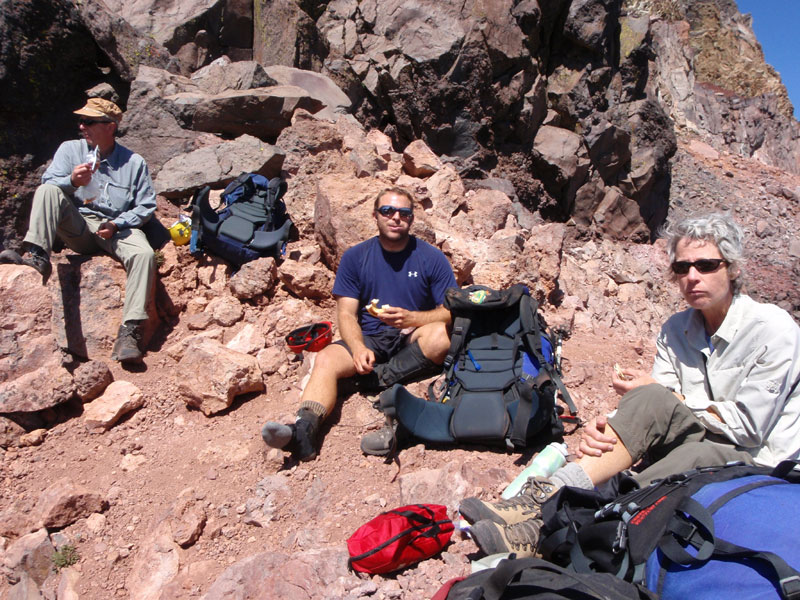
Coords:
400,537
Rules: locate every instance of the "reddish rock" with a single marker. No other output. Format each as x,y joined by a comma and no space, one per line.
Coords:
254,279
225,310
43,388
419,160
249,340
91,378
119,398
65,502
213,375
31,556
304,280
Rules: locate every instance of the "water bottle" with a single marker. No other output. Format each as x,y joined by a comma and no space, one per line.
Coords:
548,461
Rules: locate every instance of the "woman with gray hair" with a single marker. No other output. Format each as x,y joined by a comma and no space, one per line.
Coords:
724,387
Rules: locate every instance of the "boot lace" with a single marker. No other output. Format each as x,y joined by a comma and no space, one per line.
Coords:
524,535
530,498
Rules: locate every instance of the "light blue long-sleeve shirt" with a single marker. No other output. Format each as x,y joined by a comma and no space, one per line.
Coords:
749,379
126,197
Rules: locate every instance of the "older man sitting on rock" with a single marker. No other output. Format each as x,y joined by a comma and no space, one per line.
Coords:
95,196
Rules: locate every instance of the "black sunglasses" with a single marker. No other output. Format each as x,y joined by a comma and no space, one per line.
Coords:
388,211
704,265
88,122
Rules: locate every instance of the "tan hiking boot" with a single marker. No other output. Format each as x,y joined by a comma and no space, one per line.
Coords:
521,538
525,505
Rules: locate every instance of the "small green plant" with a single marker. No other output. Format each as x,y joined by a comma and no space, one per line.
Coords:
160,258
66,556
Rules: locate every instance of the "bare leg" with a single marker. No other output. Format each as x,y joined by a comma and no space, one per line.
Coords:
433,341
333,363
602,468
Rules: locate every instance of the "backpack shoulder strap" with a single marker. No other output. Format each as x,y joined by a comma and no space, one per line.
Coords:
529,318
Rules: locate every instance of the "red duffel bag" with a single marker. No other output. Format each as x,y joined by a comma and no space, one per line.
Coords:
400,537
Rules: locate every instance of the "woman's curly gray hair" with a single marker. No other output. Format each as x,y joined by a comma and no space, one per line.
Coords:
717,228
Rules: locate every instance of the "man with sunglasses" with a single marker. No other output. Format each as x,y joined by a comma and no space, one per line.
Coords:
407,340
95,196
725,386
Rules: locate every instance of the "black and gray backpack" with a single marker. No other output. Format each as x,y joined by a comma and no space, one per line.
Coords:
500,375
252,221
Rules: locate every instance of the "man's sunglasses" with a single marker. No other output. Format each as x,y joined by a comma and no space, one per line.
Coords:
704,265
89,122
388,212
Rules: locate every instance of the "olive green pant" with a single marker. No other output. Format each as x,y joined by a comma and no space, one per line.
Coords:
651,421
54,214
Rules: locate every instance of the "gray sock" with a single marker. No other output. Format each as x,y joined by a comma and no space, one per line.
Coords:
276,435
573,475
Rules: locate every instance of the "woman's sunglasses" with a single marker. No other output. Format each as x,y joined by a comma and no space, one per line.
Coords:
704,265
388,212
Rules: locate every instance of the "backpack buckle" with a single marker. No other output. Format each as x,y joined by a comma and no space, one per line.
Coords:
790,586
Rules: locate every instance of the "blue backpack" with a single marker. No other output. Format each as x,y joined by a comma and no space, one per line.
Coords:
500,375
714,532
251,222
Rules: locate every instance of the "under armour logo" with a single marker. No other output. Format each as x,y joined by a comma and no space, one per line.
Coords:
412,274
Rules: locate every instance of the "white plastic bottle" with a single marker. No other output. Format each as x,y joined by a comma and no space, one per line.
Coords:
548,461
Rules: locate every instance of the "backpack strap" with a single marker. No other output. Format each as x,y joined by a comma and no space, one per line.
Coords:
682,529
242,179
458,339
533,335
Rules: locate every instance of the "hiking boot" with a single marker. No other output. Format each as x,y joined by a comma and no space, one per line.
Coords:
299,438
126,348
525,505
36,259
382,442
520,538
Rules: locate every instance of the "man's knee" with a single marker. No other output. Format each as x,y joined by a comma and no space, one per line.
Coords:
47,194
333,361
434,341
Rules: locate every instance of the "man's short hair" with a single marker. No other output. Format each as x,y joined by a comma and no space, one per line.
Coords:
394,190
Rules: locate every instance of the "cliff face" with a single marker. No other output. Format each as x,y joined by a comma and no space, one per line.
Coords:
575,102
714,82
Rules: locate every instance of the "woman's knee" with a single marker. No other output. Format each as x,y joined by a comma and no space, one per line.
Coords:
652,399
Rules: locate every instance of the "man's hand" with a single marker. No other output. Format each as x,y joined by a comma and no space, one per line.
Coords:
81,175
594,441
363,360
107,230
398,317
629,379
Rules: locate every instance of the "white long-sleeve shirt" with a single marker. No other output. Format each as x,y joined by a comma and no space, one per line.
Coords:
748,375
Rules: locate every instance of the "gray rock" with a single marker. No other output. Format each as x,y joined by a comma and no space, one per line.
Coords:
218,165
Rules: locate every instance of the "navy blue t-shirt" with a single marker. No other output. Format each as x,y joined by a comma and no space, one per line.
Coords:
414,278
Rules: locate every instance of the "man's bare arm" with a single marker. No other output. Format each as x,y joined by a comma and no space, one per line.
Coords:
402,318
350,330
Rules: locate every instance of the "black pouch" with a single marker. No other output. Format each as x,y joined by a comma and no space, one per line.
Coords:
480,416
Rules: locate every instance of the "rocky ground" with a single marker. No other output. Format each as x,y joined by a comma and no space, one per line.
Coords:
172,503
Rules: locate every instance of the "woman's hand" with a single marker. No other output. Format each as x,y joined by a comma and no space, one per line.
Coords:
627,379
594,441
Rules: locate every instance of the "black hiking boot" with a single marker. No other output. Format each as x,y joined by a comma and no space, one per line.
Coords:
36,257
299,438
126,348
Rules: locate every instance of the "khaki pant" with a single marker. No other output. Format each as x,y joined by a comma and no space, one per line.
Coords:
54,214
652,421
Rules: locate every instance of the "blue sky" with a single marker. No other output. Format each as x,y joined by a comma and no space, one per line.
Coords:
776,23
